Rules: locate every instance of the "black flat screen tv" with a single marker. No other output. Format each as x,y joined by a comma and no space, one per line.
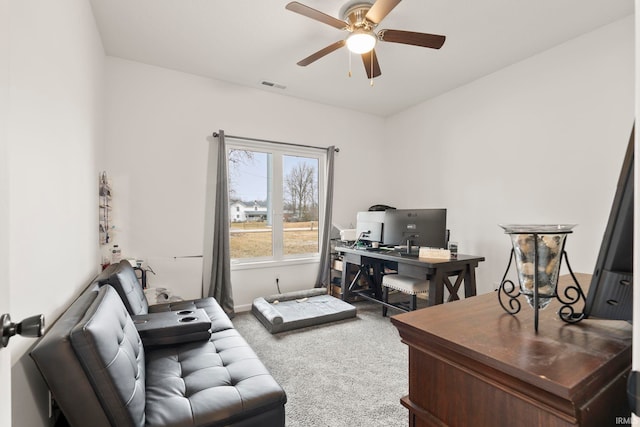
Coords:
424,227
610,295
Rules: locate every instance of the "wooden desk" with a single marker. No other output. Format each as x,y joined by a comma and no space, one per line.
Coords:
472,364
437,271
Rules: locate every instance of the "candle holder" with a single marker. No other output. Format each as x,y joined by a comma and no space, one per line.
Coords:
538,251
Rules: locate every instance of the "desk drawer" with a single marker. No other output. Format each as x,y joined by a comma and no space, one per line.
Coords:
414,271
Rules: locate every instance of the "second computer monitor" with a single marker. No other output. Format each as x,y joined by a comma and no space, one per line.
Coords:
424,227
369,226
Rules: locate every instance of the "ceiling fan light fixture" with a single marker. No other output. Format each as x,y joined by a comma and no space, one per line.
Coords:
359,19
361,41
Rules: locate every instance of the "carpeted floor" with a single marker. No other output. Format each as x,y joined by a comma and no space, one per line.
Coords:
348,373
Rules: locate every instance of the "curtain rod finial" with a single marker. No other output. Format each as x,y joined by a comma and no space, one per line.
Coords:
215,134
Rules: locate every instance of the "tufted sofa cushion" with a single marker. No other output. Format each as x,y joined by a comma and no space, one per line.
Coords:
217,382
110,350
123,279
70,386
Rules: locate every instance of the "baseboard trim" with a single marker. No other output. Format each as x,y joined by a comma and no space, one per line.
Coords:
242,308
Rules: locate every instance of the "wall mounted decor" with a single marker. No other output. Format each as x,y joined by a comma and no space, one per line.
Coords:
104,209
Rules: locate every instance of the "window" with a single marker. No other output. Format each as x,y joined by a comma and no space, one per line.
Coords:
285,187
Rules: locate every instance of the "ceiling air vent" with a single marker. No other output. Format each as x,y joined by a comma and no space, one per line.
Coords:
272,84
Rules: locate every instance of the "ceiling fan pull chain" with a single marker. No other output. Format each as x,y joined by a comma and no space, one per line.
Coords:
349,53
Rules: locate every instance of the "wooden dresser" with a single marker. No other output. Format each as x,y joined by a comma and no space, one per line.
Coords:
473,365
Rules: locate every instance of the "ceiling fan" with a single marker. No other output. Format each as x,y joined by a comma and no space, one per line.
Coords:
360,19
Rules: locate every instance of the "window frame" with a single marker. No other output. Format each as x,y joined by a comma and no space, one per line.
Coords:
278,151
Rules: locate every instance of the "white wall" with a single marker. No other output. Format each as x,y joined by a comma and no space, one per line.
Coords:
54,133
541,141
158,133
5,355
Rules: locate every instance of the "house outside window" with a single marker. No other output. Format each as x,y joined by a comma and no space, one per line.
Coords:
282,188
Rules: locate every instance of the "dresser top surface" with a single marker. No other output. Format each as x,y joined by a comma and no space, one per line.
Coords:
561,358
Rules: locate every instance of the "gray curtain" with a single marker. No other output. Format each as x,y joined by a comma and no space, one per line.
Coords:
324,271
219,286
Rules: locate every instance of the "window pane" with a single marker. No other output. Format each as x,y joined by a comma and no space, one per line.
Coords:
301,208
251,235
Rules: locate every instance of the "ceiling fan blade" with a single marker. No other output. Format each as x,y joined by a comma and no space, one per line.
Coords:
371,66
380,9
433,41
309,12
322,52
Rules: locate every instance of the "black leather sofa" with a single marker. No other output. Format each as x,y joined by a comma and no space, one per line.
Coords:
101,372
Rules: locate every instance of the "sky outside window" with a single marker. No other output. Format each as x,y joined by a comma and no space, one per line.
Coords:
248,178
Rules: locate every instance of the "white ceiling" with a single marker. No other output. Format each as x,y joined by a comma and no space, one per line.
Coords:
250,41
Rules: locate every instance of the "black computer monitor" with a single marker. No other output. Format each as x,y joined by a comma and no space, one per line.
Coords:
610,294
424,227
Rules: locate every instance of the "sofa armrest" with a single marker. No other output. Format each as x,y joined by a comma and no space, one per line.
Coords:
173,327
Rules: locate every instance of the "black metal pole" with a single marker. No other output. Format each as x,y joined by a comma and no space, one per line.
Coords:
244,138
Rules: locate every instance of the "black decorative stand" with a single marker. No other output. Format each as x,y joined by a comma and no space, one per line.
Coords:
508,292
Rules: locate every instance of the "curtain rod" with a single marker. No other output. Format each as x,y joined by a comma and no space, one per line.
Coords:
215,135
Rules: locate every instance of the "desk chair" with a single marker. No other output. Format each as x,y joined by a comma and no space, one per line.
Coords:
405,284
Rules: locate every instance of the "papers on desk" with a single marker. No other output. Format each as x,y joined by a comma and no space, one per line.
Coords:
434,253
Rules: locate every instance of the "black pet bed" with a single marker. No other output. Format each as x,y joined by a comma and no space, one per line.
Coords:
293,310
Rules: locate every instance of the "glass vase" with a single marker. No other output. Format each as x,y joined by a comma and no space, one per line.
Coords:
538,254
